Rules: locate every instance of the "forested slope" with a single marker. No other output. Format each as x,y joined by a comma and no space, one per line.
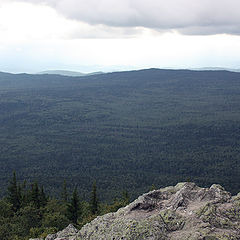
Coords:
127,130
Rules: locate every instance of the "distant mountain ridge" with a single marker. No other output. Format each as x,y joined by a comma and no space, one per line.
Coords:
69,73
216,69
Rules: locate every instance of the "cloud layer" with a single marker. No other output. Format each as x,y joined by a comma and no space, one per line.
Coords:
193,17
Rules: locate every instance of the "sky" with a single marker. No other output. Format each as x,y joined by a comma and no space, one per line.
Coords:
115,35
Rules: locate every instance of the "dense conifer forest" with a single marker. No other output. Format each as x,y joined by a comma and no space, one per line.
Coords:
126,130
27,212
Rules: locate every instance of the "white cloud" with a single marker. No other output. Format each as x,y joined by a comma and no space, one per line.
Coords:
65,34
20,21
186,16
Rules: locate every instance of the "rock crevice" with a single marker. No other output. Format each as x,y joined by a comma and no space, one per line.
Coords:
180,212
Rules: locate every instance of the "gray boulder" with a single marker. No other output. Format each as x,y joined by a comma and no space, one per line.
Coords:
68,233
36,239
180,212
51,237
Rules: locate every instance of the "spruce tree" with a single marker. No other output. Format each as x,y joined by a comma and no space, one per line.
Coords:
35,195
64,194
42,197
24,195
125,198
153,187
74,207
94,200
14,194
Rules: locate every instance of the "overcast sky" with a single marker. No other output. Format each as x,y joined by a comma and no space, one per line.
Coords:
109,35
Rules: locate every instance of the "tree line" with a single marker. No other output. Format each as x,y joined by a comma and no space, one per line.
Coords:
28,212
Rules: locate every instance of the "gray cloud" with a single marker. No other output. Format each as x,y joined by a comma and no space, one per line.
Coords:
202,17
102,31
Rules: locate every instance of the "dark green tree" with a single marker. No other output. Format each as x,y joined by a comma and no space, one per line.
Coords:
94,200
35,195
14,194
27,218
24,195
74,207
42,197
64,194
55,215
153,187
125,198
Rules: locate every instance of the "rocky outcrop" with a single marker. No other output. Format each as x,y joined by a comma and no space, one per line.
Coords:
181,212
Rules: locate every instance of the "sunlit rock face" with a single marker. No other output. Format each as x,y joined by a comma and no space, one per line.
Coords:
180,212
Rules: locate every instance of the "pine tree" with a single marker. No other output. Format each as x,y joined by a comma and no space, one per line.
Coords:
74,207
64,194
94,200
35,195
14,194
24,193
125,197
153,187
42,197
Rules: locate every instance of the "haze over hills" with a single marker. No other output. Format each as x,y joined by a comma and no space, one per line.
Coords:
127,130
216,69
68,73
120,69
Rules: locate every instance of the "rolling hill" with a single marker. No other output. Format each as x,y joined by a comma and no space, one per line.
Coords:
127,130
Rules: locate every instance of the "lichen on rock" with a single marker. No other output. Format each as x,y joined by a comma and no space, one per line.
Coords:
180,212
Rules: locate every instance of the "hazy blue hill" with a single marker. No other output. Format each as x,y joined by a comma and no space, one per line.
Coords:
127,130
5,74
217,69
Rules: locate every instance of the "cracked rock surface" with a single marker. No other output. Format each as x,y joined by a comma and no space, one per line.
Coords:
180,212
